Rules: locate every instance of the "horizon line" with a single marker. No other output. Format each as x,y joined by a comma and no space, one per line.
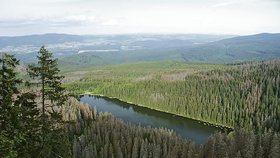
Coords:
139,33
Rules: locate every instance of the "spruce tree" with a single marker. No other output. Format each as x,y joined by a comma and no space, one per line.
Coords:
8,88
18,113
45,74
29,124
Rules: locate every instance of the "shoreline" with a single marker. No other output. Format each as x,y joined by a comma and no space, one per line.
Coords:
222,127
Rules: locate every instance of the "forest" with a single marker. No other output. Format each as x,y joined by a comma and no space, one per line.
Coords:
102,135
245,94
39,118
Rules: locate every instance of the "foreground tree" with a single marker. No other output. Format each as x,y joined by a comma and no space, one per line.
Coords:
46,74
8,84
18,113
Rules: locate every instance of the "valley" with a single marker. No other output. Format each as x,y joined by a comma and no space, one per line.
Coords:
227,95
140,79
197,131
161,100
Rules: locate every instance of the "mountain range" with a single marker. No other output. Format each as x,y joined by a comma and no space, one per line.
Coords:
90,50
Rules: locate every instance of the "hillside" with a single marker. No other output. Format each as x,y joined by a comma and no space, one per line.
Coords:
236,49
38,40
245,95
79,51
102,135
109,49
230,50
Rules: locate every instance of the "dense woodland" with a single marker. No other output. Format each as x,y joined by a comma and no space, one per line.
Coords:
245,95
102,135
38,119
30,117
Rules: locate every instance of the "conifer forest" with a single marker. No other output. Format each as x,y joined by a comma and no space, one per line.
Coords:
140,79
42,116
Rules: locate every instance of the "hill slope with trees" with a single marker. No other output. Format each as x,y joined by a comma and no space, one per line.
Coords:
245,95
243,48
40,122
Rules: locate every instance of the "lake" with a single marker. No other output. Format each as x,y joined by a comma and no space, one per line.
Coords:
184,127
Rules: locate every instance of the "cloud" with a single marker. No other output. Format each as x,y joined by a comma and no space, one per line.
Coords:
132,16
83,19
18,23
223,4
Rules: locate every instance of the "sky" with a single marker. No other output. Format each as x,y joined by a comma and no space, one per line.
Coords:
238,17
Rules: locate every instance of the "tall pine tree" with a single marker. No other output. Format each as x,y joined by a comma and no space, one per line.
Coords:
52,95
8,88
18,113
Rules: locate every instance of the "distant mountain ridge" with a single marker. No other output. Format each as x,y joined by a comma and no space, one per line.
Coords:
254,47
55,38
128,46
144,47
38,40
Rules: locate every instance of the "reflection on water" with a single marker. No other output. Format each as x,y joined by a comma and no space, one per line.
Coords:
187,128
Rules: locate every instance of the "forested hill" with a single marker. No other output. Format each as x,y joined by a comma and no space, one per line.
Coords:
104,49
101,135
230,50
39,40
247,95
242,48
78,51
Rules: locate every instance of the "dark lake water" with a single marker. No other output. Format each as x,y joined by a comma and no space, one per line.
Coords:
186,128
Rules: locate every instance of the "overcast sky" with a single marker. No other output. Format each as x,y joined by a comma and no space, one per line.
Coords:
21,17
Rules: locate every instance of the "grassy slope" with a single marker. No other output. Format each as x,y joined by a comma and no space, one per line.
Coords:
137,70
